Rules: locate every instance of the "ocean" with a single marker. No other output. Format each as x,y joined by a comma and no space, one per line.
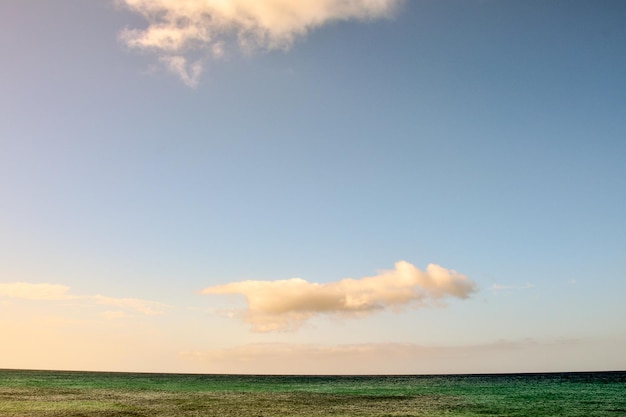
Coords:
56,393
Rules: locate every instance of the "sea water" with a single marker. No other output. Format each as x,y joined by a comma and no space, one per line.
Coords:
549,394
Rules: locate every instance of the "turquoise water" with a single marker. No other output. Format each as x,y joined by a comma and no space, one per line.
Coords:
553,394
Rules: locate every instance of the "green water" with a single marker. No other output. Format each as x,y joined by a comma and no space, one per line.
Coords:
556,394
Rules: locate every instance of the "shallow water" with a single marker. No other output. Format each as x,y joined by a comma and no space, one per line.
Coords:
48,393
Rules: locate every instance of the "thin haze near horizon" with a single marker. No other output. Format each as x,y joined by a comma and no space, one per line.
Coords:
313,187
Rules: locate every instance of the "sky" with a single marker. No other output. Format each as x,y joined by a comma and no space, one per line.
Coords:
313,187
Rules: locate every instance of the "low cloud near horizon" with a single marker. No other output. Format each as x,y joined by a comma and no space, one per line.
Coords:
396,358
287,304
179,29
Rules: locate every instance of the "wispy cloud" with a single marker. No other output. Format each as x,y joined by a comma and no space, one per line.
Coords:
286,304
149,308
261,351
114,315
188,73
499,287
56,292
28,291
177,28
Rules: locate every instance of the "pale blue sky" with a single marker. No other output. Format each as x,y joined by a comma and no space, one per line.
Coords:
487,137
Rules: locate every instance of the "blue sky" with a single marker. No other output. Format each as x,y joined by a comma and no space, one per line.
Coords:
486,137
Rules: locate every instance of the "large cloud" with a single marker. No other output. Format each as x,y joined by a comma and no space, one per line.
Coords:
286,304
178,27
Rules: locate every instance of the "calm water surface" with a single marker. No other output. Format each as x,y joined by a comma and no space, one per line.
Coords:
552,394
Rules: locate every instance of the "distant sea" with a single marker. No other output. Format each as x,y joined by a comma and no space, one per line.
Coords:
540,394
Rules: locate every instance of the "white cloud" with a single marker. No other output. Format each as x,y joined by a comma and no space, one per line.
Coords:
179,27
28,291
286,304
